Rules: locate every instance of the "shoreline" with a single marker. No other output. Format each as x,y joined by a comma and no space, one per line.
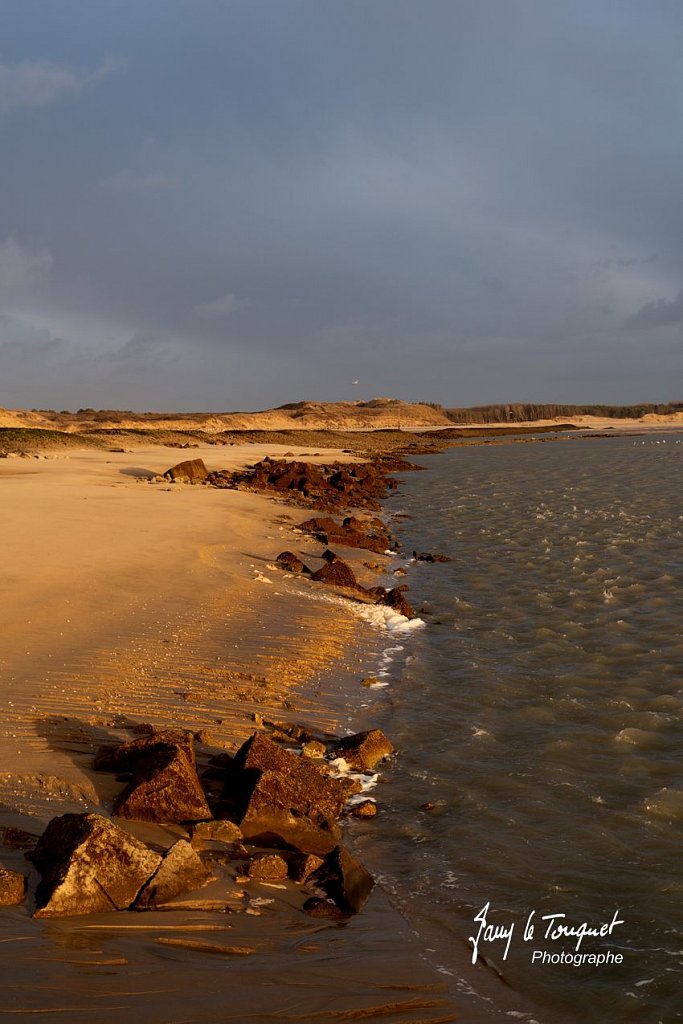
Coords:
124,668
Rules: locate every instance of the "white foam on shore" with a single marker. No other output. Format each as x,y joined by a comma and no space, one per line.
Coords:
386,618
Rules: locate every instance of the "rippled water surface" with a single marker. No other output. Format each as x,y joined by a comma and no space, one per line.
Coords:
540,712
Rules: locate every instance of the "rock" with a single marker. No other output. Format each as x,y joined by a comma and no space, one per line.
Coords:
336,574
281,830
128,756
314,749
426,556
267,867
364,809
318,907
164,788
17,838
291,562
345,880
395,599
363,750
12,888
216,831
302,866
266,777
180,871
89,865
192,471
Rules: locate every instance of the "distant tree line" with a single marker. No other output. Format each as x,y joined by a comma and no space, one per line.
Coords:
522,412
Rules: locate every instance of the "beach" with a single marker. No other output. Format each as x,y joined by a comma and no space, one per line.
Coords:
134,604
131,603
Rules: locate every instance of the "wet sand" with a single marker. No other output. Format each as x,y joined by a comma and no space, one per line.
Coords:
125,602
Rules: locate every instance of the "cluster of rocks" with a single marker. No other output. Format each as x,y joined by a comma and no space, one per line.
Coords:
325,487
352,532
273,812
337,573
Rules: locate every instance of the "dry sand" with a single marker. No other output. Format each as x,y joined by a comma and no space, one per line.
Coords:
127,601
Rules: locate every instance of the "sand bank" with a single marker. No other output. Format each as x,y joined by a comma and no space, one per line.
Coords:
126,601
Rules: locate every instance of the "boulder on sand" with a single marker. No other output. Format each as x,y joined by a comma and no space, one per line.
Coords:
192,471
165,787
180,871
89,865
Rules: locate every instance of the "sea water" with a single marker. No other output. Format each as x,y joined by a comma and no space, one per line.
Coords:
538,718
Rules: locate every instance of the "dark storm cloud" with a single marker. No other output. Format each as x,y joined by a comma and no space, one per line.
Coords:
220,204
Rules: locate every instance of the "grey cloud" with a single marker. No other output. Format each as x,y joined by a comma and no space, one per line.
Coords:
37,83
660,313
220,308
21,267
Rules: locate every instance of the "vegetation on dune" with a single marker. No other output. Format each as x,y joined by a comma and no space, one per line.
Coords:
522,412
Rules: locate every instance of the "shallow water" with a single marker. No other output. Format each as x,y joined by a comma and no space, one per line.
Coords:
540,712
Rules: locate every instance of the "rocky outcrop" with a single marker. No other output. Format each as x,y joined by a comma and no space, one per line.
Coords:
12,887
351,532
326,487
363,750
192,471
89,865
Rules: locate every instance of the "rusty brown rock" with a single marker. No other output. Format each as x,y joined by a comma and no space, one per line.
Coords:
396,600
164,788
89,865
364,750
265,776
336,574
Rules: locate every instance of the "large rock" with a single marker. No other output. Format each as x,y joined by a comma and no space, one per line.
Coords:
181,871
351,532
266,776
281,830
336,573
345,880
89,865
193,471
364,750
164,788
12,887
284,800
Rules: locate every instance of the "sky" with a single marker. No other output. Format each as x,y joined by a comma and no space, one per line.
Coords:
234,204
